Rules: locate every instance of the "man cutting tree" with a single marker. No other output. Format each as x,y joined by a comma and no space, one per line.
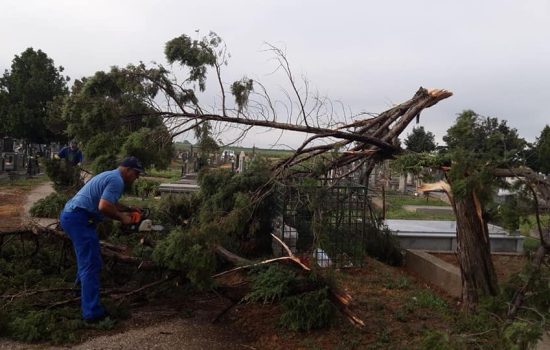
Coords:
98,198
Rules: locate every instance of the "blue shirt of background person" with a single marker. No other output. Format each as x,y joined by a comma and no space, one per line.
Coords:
108,185
71,153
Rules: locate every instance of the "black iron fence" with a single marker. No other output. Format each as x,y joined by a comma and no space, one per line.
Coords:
324,224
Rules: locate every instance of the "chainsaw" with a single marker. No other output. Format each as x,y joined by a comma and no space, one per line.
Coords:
141,222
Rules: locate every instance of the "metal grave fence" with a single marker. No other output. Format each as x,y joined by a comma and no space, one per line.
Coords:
325,225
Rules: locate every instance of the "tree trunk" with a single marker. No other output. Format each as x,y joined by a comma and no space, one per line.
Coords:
474,252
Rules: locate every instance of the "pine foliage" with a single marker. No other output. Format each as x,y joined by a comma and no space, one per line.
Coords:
65,177
50,206
271,284
308,311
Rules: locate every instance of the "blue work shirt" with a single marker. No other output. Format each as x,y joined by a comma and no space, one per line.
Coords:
108,185
72,156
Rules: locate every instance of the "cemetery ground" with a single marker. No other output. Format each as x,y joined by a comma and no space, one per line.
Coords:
400,311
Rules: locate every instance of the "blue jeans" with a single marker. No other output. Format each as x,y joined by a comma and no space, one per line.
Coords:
83,234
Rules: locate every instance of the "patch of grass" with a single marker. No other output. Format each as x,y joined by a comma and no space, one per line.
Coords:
399,199
402,282
169,174
400,213
426,299
140,202
396,201
307,311
26,183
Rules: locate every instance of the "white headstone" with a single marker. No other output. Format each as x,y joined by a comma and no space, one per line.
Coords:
242,158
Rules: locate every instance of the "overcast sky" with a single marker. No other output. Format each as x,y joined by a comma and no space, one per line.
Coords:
494,55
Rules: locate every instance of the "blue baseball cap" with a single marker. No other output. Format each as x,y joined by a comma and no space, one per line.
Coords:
133,163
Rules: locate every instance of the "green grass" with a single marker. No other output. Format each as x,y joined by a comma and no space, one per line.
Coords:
400,213
24,183
396,201
171,173
138,202
399,199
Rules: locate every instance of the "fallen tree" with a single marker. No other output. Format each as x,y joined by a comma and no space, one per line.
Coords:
233,282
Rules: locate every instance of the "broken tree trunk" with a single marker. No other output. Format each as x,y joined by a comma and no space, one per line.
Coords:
473,248
474,254
474,251
384,128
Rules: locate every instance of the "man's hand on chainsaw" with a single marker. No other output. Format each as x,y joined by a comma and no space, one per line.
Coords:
135,216
135,209
126,218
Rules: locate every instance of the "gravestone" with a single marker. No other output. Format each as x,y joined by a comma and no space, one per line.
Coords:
402,183
285,233
410,179
7,145
242,159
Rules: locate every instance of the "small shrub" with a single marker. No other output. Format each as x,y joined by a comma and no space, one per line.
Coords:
49,207
429,300
145,188
307,311
104,162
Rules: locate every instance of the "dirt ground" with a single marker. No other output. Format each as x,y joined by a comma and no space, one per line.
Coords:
384,298
11,203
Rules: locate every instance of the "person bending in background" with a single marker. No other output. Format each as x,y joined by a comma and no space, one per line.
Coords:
71,153
98,198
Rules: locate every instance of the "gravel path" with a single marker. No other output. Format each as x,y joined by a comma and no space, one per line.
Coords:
174,334
186,334
36,194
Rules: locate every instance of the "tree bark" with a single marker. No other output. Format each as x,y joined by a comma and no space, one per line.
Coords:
473,248
474,252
